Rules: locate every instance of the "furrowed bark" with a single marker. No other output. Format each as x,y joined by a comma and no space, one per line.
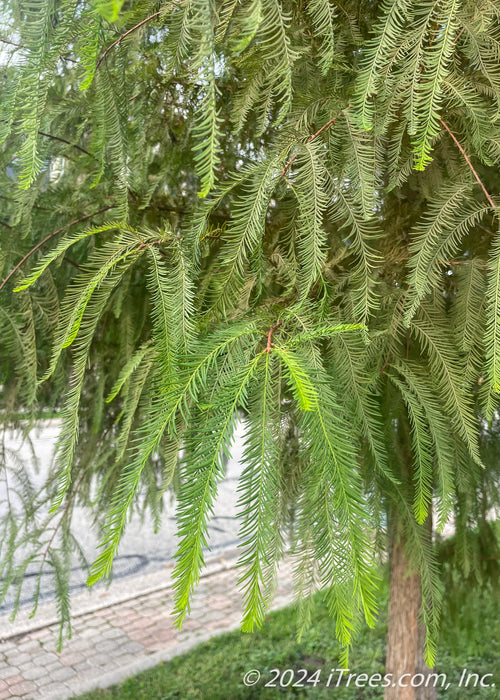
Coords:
406,632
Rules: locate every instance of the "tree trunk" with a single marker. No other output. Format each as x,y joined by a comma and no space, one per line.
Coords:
406,633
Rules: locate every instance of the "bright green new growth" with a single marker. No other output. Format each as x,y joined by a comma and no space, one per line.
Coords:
276,213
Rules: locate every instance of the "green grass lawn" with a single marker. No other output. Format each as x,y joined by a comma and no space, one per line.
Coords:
214,670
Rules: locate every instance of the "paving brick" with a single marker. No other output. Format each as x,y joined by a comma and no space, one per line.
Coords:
212,615
218,601
105,645
217,624
22,688
122,640
96,661
71,658
43,682
125,660
132,647
6,671
164,634
18,658
13,679
52,665
124,612
44,658
113,633
29,646
93,622
155,626
63,674
81,644
151,612
140,636
7,646
87,633
160,646
191,624
57,689
35,673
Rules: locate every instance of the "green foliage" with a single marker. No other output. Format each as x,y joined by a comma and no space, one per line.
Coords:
276,213
492,337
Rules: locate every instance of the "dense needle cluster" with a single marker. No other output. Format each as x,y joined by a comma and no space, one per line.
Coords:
281,212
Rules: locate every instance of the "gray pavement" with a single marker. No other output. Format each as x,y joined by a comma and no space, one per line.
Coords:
122,635
141,551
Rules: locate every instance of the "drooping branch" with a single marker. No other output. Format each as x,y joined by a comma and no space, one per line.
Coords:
48,237
468,161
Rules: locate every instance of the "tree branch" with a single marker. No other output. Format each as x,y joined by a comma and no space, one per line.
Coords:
72,262
469,164
47,238
122,36
73,145
270,335
311,138
20,46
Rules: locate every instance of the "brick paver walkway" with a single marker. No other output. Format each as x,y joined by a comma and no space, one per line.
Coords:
115,642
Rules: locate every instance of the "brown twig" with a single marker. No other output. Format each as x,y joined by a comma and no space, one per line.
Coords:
59,138
144,245
72,262
460,33
48,237
73,145
311,138
270,335
386,361
122,36
468,163
11,43
20,46
464,28
462,262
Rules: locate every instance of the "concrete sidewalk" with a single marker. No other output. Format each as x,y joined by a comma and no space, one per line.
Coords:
121,633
